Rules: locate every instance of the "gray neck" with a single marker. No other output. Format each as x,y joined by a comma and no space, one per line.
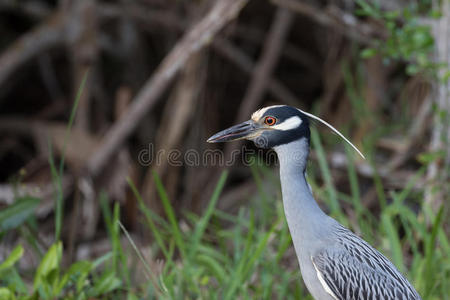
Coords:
305,219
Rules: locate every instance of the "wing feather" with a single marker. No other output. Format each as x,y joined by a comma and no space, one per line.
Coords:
355,270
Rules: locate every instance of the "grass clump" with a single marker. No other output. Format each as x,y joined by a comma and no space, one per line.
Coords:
222,256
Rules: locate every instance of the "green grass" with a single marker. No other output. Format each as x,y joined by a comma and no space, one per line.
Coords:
223,256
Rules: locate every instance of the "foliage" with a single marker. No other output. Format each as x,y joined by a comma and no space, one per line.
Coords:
409,39
49,280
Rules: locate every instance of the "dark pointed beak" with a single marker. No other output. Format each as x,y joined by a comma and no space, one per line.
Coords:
241,131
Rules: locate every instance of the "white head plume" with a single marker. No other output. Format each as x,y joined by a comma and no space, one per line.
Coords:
333,129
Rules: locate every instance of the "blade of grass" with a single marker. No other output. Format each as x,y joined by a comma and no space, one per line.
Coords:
108,219
354,184
256,254
214,266
258,180
409,185
237,276
170,214
148,272
159,239
201,225
323,164
124,272
379,188
429,252
57,175
59,193
394,240
71,120
264,201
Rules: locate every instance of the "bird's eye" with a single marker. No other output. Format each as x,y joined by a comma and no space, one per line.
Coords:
270,121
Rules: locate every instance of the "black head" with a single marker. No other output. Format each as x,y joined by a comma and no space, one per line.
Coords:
273,126
269,127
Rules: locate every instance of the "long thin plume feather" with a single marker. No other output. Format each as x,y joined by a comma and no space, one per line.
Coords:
333,129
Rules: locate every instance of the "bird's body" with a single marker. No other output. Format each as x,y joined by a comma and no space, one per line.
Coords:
334,262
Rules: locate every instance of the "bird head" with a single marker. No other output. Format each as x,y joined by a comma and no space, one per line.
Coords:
273,126
268,127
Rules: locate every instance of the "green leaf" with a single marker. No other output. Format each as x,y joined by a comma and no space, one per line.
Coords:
15,255
77,272
412,69
435,13
445,76
367,9
368,53
49,264
428,157
6,294
132,296
107,283
17,213
99,261
213,266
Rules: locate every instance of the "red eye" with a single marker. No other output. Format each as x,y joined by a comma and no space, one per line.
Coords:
270,121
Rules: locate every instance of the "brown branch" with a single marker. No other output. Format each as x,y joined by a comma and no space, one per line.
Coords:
245,63
291,51
263,69
335,18
84,54
261,73
48,35
196,38
169,20
180,107
221,45
33,9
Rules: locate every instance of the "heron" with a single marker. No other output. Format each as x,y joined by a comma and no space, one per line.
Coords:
335,263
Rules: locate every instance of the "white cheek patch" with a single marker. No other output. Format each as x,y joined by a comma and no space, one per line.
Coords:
288,124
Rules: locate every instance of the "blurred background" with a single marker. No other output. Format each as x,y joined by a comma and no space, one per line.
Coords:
105,107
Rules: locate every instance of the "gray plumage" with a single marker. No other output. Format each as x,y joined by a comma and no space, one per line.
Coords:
334,262
350,267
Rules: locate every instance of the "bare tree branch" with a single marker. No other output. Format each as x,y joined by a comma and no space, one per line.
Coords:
197,37
49,34
263,69
245,63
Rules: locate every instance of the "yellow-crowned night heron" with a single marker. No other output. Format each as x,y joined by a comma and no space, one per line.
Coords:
334,262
